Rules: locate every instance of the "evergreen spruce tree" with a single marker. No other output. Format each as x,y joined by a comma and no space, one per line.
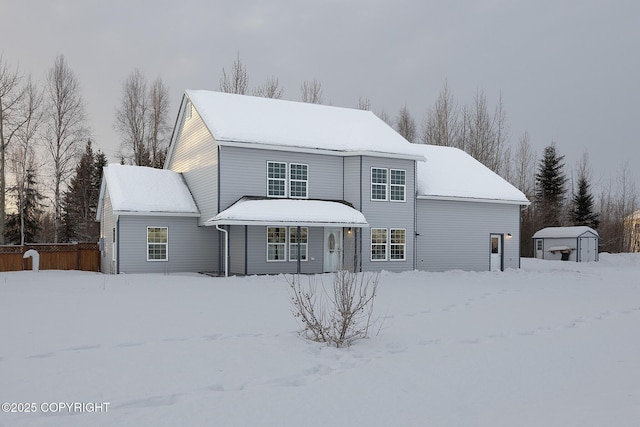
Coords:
550,188
32,208
582,212
81,199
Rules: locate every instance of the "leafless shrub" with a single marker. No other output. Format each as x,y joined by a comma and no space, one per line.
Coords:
338,314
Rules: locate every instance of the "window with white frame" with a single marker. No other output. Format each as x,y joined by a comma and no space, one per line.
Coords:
301,242
276,179
378,184
398,185
298,180
276,243
157,243
378,244
398,244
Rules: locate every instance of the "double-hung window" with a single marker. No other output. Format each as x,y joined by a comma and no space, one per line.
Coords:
398,243
378,184
276,179
157,244
398,185
276,243
378,244
298,241
298,180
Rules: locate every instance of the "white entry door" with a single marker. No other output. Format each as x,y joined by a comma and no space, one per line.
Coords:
332,249
496,252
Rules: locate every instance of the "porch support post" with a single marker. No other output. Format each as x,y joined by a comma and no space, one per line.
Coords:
226,250
299,263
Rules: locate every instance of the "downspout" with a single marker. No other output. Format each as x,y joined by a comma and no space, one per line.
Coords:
226,250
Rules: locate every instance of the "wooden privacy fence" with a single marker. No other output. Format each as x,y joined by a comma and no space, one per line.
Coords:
60,256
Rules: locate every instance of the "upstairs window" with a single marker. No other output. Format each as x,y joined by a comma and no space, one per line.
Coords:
378,184
298,180
398,185
276,179
157,243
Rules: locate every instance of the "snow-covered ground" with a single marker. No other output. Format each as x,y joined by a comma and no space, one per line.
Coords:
552,344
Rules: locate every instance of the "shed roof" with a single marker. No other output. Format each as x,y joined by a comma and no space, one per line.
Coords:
565,232
289,212
450,173
275,123
143,190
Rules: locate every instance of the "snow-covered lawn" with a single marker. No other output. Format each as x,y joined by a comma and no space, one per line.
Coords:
552,344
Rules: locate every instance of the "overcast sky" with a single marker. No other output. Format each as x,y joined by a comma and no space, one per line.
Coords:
568,71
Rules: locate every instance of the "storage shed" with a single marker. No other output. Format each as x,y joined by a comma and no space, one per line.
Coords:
579,243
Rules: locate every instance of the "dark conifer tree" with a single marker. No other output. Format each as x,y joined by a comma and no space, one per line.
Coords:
550,188
32,209
582,212
81,199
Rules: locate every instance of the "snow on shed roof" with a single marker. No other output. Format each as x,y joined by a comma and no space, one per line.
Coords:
450,173
273,122
288,212
138,189
564,232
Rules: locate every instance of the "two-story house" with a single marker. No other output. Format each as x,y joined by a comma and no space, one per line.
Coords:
270,186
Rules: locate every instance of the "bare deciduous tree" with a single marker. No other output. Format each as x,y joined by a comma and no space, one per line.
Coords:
66,127
237,81
270,89
311,91
406,125
10,96
338,315
158,126
442,124
364,104
384,116
132,118
23,159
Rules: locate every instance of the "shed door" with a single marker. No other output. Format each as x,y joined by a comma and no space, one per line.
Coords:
587,249
332,249
496,252
539,248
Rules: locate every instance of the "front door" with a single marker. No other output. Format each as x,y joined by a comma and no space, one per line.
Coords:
496,252
332,249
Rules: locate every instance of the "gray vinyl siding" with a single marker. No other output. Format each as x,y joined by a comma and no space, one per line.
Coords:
257,253
107,224
237,244
352,180
191,248
388,214
456,234
243,172
196,157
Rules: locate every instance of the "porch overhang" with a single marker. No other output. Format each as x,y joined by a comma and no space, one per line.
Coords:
290,213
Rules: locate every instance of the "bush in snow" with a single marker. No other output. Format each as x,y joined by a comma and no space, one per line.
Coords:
336,314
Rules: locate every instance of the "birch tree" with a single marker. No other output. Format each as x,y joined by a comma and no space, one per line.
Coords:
442,123
269,89
406,125
23,159
159,130
10,96
66,128
311,91
132,119
237,80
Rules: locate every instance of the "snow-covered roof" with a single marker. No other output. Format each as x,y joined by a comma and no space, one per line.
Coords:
450,173
289,212
274,123
143,190
564,232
